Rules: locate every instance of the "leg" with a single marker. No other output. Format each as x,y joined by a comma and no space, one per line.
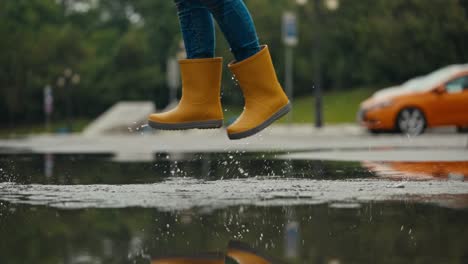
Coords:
265,100
237,25
200,105
197,28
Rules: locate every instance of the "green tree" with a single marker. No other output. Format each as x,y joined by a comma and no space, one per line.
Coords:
120,48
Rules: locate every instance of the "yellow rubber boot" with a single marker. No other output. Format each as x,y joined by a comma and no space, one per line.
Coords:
265,100
200,105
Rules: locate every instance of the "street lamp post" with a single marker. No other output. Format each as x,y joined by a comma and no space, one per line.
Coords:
66,81
318,68
331,5
48,106
290,40
173,73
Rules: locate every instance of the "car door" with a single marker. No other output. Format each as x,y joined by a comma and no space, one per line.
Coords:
453,104
464,103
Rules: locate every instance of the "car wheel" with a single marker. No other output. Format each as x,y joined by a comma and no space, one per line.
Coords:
411,121
462,129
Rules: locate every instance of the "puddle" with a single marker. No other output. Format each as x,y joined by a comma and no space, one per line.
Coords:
109,169
373,233
169,206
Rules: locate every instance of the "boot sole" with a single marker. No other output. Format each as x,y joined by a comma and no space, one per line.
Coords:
212,124
280,113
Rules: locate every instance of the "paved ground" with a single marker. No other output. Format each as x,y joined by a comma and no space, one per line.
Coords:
345,142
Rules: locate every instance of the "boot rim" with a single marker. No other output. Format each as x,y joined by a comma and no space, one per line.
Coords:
201,60
236,64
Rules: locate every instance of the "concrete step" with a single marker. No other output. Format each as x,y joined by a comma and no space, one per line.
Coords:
120,118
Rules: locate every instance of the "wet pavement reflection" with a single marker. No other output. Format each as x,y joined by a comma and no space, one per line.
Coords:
283,227
236,252
106,169
454,171
372,233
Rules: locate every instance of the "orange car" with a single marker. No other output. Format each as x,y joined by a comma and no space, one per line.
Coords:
437,99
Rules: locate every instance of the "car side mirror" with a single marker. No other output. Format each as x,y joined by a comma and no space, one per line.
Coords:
439,90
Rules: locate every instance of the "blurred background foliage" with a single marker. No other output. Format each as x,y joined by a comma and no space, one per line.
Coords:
120,48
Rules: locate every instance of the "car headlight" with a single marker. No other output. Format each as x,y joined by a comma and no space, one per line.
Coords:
383,104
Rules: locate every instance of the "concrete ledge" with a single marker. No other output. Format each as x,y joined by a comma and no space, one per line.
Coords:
121,117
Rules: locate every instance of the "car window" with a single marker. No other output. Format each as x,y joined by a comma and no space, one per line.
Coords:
422,83
457,85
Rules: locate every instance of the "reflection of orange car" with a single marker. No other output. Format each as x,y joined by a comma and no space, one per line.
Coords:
437,99
450,171
238,251
212,258
420,170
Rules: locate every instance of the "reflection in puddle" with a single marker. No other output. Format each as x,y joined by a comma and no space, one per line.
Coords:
198,259
453,171
374,233
244,254
177,181
236,253
107,169
106,209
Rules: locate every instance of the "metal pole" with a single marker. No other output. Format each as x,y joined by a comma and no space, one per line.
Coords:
318,65
69,105
318,87
47,106
289,57
47,122
173,79
172,94
64,7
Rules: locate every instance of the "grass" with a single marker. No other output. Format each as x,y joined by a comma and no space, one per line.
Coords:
21,130
339,107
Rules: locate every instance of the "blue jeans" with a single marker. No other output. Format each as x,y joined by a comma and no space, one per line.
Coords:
233,17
